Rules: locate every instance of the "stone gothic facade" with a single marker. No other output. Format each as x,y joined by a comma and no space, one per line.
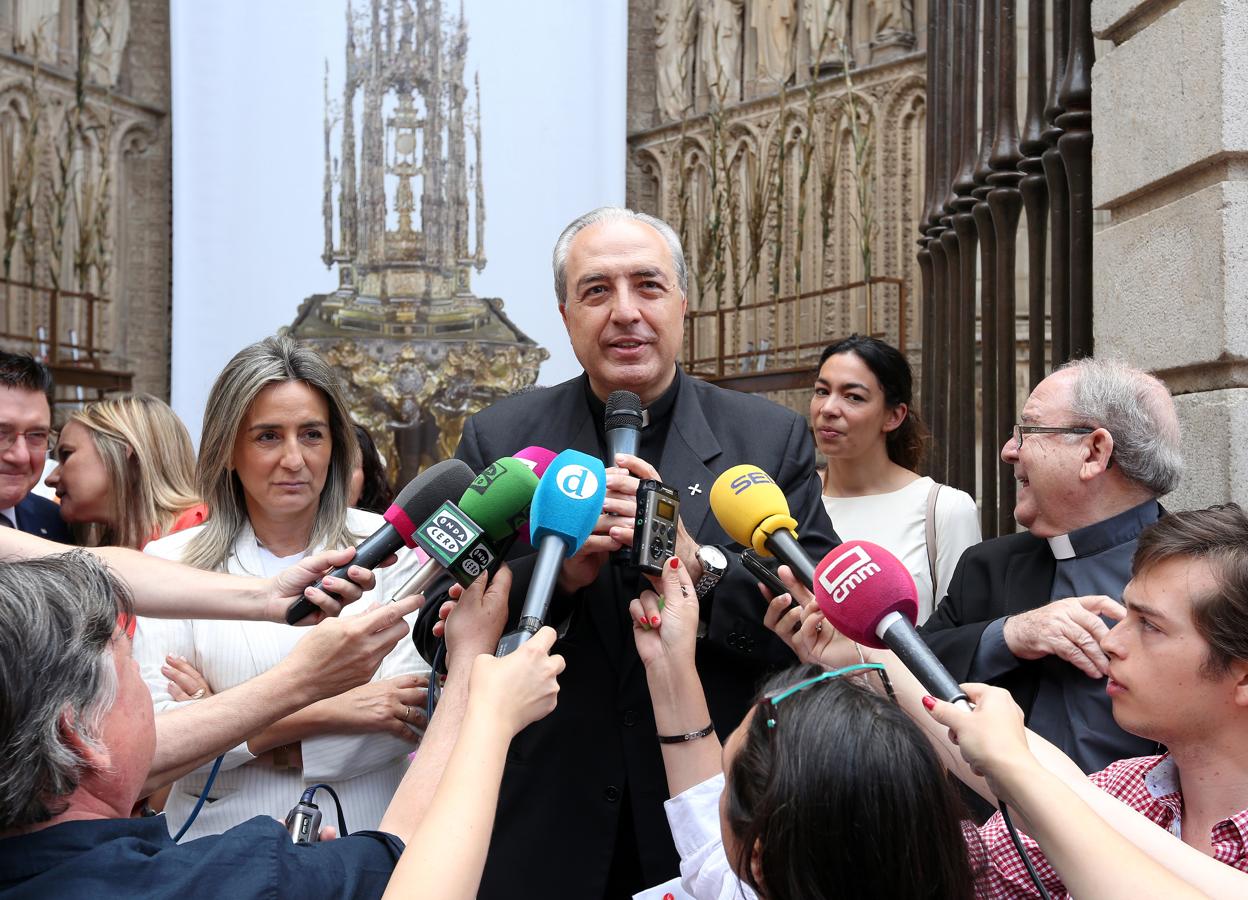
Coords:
784,140
85,190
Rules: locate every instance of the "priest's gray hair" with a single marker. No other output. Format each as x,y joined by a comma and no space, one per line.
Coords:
1138,412
58,617
615,214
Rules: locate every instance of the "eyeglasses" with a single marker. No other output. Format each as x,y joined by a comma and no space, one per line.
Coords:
1020,430
36,441
771,700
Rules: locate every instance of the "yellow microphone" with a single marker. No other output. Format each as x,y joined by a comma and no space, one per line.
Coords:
750,506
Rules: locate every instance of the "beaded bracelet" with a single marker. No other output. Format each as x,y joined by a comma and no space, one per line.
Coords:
685,738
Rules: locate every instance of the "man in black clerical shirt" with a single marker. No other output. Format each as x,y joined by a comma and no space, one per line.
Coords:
1096,446
580,813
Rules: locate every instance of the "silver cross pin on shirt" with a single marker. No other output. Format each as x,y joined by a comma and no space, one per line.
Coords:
695,489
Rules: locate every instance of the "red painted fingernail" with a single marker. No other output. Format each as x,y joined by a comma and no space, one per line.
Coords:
929,702
641,620
675,563
654,620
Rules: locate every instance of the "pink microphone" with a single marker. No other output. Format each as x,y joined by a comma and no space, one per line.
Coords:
869,596
537,459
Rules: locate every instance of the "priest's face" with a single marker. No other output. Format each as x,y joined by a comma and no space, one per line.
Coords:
625,311
1047,466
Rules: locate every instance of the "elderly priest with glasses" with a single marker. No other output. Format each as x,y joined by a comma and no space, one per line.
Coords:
1097,445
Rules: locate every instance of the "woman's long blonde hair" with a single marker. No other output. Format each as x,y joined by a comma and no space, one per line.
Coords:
271,361
150,462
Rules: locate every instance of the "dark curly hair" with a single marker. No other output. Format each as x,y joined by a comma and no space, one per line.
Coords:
907,443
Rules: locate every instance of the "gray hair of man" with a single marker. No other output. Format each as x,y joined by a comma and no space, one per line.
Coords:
615,214
58,616
271,361
1137,411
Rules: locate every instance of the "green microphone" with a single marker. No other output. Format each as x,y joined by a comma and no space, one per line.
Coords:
467,538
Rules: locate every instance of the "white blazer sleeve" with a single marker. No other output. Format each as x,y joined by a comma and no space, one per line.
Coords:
153,640
693,816
331,757
957,527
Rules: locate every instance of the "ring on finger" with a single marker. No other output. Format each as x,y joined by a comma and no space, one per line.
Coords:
407,714
198,695
819,626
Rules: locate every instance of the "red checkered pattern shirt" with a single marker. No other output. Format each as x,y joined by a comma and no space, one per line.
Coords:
1148,784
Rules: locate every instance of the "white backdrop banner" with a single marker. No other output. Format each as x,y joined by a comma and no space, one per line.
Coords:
248,112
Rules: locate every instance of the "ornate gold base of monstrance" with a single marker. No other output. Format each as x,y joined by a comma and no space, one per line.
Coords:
414,392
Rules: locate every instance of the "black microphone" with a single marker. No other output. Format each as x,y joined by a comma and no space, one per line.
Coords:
415,503
623,430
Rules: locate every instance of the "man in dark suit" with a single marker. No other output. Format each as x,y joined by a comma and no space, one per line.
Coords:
25,426
1097,444
580,813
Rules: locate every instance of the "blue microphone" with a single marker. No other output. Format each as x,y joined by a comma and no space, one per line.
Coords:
565,509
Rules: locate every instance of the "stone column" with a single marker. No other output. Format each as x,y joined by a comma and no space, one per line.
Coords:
1170,165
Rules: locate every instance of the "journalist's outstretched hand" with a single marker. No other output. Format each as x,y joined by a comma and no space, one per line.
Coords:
169,590
486,703
333,657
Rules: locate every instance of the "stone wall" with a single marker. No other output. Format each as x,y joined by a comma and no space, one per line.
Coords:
1171,168
121,168
751,154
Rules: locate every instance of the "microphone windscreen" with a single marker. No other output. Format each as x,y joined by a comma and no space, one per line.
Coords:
424,493
623,411
568,500
498,499
536,458
750,506
859,583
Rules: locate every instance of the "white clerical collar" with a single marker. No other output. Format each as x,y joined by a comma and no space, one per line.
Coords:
1062,547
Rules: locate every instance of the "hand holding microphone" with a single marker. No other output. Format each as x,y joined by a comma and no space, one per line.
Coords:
413,505
992,737
750,506
869,596
666,631
622,428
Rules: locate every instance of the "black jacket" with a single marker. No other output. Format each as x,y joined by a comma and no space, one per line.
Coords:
564,784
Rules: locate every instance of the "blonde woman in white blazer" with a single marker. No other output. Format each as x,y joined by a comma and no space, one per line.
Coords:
275,463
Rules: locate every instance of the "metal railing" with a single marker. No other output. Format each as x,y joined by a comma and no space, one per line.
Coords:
60,328
789,333
981,176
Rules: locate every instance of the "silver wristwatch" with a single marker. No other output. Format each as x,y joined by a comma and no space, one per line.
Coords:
714,562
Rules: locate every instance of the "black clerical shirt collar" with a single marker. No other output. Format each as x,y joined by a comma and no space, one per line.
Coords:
1100,536
660,411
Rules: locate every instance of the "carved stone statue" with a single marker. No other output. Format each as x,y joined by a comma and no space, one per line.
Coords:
109,24
36,24
886,26
674,23
826,27
719,48
772,21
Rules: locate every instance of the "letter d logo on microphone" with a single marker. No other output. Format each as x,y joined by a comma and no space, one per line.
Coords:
577,482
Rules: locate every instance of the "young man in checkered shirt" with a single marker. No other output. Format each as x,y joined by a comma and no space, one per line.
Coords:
1178,675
